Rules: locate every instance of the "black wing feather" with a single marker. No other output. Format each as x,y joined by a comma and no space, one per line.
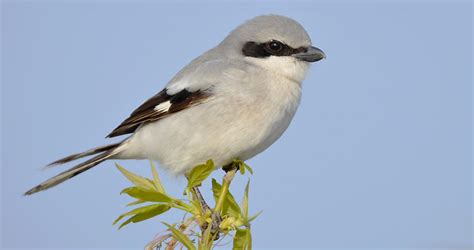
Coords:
147,113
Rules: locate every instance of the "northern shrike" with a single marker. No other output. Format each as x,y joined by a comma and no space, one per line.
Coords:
232,102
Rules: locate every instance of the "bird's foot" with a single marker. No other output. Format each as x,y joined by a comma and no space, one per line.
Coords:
216,218
230,166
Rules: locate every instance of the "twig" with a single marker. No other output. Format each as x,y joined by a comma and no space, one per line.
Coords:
185,227
156,242
226,180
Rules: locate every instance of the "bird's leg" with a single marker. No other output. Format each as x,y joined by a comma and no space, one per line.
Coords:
198,195
215,217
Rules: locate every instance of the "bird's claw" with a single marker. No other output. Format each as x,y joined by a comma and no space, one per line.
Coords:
216,220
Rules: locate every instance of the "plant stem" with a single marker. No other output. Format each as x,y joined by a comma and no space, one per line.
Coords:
226,180
186,225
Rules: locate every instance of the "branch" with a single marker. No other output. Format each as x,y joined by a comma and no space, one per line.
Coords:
226,180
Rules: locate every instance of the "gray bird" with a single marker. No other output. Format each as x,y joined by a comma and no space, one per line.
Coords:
232,102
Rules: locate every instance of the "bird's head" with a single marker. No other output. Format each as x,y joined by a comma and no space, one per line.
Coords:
276,43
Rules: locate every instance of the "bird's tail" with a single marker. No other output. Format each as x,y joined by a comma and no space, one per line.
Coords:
91,151
106,152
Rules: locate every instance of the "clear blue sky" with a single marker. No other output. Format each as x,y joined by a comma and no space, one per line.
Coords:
378,155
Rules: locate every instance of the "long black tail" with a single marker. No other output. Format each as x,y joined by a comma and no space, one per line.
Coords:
106,152
92,151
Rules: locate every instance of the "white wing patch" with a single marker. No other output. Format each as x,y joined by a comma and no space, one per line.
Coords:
163,107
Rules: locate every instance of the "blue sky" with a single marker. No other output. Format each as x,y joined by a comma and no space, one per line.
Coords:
379,154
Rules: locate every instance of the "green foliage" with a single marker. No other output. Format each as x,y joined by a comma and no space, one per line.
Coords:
242,166
156,179
230,206
136,179
198,174
242,239
179,236
147,195
143,213
234,219
245,201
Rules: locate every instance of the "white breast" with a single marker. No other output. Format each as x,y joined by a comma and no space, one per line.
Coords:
277,107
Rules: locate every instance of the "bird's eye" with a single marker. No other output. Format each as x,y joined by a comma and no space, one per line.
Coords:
274,46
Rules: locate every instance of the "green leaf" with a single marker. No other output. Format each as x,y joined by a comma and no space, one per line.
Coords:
253,217
230,205
242,166
242,239
143,213
156,179
199,173
233,205
135,203
236,163
248,168
245,201
249,239
182,238
147,195
135,211
135,179
216,191
206,238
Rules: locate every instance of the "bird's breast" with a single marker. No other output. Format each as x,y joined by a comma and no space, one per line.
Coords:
268,113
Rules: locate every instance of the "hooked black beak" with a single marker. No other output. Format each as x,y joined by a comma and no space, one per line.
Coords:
312,54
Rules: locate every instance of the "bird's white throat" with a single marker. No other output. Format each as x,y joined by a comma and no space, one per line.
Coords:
285,66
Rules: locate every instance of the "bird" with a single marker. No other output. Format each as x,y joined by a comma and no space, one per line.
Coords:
231,102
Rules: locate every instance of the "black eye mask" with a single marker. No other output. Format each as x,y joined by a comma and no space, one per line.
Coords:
270,48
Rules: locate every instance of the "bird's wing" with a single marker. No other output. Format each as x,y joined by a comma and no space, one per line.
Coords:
191,86
158,107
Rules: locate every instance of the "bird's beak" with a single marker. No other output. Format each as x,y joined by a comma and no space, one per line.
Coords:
312,54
